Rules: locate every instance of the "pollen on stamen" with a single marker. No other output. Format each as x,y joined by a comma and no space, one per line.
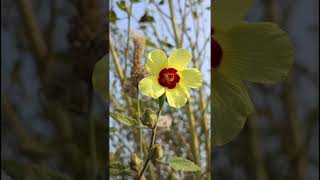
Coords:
217,52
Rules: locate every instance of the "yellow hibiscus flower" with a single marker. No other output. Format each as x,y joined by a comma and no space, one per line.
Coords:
256,52
170,76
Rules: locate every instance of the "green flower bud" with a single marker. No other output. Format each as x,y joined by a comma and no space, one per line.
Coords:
173,176
156,152
136,163
149,118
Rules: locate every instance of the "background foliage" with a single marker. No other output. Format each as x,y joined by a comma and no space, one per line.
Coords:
52,123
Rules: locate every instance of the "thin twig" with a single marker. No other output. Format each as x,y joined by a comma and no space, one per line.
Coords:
33,31
128,40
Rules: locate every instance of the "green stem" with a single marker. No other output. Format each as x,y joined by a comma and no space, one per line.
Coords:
116,61
138,120
174,24
151,172
206,133
192,129
152,140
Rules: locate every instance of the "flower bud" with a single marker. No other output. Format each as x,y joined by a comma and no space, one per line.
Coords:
149,118
173,176
136,163
156,152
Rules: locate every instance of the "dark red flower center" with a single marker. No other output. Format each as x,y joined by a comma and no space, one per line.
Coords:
216,51
168,77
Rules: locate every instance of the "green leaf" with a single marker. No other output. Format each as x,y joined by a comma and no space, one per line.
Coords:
99,78
113,16
161,100
123,6
112,130
181,164
118,169
13,169
146,18
18,170
143,27
117,165
161,2
164,43
151,44
194,14
114,157
124,119
118,153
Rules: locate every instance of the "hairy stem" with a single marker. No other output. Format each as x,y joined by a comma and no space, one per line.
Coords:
152,140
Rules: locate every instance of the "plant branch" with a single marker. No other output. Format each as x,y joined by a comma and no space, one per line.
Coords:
33,31
174,24
128,40
206,131
138,120
116,61
152,140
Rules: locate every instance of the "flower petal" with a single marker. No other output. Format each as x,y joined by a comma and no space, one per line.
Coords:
231,108
227,13
190,77
178,96
157,60
259,52
149,86
179,59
